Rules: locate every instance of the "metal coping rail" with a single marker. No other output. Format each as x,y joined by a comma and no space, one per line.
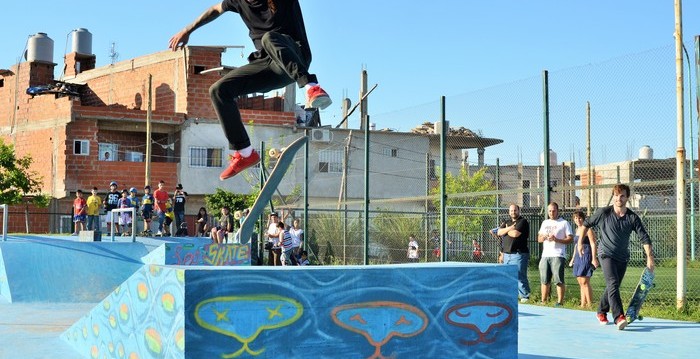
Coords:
133,216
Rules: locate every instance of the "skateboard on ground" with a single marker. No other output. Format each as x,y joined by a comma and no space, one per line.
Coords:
283,162
646,282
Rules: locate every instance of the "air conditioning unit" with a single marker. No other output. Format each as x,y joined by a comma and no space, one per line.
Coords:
320,135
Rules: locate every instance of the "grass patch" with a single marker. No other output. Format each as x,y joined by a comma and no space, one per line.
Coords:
660,303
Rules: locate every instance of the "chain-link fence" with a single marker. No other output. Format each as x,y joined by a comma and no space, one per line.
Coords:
608,123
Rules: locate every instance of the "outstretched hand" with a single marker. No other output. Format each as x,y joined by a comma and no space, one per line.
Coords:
179,40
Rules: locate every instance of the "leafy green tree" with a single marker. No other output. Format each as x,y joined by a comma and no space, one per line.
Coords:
458,188
19,185
222,198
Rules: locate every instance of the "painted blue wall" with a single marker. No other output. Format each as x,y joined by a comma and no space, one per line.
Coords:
446,310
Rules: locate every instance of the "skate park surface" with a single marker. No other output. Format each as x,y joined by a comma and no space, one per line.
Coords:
35,322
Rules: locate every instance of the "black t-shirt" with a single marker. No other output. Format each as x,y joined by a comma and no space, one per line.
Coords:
287,19
517,244
180,199
112,200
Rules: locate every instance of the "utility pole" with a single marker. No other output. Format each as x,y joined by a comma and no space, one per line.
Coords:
147,179
680,162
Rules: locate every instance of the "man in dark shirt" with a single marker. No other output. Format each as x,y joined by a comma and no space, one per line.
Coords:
615,224
515,232
179,200
282,57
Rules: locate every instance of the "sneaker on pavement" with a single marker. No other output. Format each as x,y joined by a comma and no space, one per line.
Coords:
524,300
621,322
238,163
557,305
316,97
602,318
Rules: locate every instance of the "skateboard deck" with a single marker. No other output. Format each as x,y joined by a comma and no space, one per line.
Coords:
646,282
283,162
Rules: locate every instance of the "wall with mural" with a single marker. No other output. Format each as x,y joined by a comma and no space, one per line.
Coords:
437,310
202,252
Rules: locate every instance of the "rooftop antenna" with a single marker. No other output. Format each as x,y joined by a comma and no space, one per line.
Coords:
113,54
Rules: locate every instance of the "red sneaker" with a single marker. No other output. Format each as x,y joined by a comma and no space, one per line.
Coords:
621,322
602,318
316,97
238,164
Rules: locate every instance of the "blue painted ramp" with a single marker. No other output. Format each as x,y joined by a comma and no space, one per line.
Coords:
60,271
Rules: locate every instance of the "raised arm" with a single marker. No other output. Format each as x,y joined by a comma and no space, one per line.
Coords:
181,38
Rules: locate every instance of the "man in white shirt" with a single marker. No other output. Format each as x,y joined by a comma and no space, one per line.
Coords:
555,233
412,249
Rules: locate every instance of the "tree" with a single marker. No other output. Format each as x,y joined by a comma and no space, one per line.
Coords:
222,198
17,183
471,208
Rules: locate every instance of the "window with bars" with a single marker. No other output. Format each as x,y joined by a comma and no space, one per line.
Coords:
391,152
330,161
206,157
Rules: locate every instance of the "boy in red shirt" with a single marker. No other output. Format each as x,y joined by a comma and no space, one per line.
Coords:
79,211
161,197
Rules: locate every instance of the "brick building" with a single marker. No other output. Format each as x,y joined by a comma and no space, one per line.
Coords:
90,128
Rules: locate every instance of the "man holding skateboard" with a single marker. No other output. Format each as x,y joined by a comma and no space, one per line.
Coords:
282,56
615,224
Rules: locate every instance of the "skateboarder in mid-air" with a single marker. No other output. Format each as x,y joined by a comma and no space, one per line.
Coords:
615,224
282,56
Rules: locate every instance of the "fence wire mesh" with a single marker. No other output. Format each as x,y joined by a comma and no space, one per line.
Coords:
494,155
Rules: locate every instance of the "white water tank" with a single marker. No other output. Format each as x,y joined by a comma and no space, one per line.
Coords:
437,127
552,158
646,153
39,48
81,41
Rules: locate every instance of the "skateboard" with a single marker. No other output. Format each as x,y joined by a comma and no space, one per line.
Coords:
284,160
646,282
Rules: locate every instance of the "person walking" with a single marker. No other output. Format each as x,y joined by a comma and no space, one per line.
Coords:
514,232
282,56
615,224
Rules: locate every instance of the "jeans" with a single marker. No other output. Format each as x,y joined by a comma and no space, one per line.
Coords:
282,63
93,223
613,271
161,219
521,260
179,218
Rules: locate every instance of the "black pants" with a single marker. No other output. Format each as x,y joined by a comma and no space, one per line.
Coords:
281,63
614,272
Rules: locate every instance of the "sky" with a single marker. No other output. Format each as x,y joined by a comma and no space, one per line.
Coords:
478,54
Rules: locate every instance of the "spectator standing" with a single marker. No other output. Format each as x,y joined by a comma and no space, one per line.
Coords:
79,212
125,217
135,202
285,242
160,197
147,210
111,202
584,263
412,252
297,238
514,232
93,210
274,251
179,200
554,234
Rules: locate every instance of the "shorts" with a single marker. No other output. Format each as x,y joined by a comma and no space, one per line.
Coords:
79,218
147,215
168,220
552,270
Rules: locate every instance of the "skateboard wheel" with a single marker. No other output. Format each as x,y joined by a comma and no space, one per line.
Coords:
640,318
643,286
